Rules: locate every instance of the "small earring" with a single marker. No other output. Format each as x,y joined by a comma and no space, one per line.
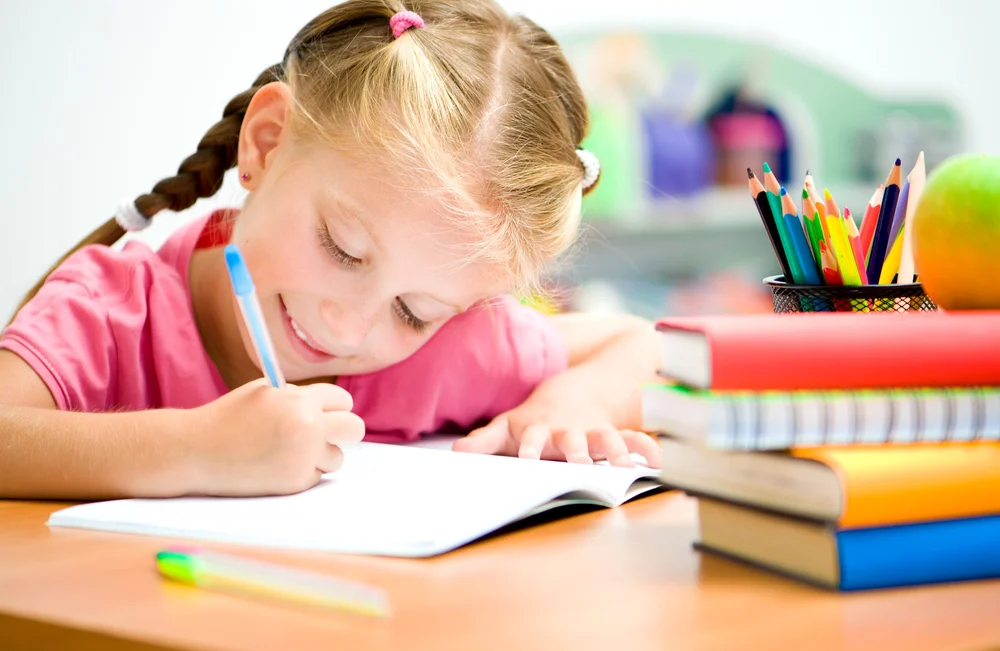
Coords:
244,177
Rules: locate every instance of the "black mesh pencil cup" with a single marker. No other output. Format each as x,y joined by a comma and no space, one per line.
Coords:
845,298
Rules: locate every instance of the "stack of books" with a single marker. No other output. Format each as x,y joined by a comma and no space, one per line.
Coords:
853,452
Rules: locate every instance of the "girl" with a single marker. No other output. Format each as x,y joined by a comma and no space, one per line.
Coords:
407,167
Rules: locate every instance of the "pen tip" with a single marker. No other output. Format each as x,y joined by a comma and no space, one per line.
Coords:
767,168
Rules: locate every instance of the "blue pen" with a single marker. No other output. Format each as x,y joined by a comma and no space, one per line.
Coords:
246,296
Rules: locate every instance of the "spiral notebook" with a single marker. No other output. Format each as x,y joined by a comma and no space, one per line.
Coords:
391,500
774,420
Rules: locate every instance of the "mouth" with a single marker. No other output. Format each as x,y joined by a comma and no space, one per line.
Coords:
304,344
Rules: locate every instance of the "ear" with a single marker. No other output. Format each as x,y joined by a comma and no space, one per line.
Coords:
265,128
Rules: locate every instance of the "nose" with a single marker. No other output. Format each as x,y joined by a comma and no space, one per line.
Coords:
349,322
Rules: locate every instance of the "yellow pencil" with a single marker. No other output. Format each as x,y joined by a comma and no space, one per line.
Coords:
842,250
891,265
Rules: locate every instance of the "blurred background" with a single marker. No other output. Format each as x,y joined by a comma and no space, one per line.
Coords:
102,99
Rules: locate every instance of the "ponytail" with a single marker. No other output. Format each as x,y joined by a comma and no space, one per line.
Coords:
200,175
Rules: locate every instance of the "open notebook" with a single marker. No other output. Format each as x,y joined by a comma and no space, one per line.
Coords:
390,500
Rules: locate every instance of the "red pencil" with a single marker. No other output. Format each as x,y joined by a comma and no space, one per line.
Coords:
855,239
870,221
830,273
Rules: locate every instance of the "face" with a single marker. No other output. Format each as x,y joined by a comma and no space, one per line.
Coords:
354,269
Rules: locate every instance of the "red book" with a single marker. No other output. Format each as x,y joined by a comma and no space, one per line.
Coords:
840,350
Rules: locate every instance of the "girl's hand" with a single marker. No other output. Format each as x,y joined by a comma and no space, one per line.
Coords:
258,440
561,422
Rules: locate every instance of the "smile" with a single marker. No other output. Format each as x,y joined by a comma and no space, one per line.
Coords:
303,343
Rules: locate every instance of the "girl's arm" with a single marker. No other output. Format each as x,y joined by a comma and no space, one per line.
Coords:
612,356
253,441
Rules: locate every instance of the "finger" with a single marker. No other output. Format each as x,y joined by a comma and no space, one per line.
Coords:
608,442
330,397
533,440
342,427
573,445
330,459
644,444
490,439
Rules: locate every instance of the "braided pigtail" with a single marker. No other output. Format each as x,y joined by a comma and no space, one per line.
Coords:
200,175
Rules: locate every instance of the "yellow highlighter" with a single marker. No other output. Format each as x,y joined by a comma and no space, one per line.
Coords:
242,576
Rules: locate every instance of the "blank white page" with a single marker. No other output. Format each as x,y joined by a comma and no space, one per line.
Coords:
391,500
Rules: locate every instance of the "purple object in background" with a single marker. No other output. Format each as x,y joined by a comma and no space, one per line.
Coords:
680,156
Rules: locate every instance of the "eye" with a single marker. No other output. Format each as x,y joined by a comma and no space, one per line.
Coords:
335,251
404,313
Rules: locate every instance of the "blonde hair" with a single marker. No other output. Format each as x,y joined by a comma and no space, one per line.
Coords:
484,101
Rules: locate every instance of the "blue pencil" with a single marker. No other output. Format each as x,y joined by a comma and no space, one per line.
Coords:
799,244
810,271
883,229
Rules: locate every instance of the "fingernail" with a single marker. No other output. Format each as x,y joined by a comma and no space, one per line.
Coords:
528,453
625,461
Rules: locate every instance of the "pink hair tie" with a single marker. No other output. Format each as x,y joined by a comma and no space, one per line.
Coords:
403,21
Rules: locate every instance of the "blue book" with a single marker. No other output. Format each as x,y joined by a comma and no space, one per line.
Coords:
853,559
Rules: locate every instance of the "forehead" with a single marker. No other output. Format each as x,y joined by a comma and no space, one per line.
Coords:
419,230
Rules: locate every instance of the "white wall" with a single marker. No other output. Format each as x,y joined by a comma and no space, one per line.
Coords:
102,98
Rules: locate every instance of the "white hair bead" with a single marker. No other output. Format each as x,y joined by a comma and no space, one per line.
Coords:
591,167
129,217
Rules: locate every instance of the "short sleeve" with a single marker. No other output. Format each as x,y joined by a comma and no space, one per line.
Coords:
480,364
65,336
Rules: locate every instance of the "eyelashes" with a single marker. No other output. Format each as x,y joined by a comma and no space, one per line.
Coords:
334,250
410,319
349,261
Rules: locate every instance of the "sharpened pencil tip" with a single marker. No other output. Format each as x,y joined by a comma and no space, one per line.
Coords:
826,193
749,173
767,168
784,191
805,193
899,162
807,173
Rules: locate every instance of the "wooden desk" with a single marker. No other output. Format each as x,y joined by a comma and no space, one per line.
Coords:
616,579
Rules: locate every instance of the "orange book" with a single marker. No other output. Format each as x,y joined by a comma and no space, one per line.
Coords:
853,487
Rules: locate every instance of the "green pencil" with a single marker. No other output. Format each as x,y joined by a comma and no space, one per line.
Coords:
774,200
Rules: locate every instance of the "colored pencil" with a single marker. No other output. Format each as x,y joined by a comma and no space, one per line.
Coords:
810,270
810,219
830,272
808,206
841,249
880,243
774,199
900,214
831,206
854,238
917,178
759,195
810,188
870,220
891,266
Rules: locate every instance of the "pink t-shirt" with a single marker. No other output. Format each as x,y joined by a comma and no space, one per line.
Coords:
114,330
